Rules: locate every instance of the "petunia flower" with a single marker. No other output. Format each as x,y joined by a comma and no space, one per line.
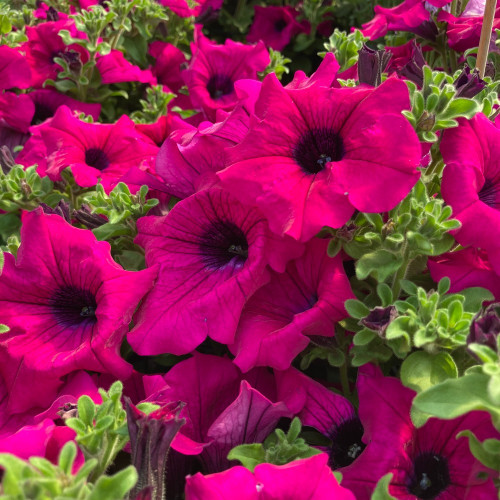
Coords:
307,299
68,304
183,8
410,15
222,409
47,102
467,268
308,478
426,463
44,44
214,69
15,72
275,26
190,156
463,32
317,154
213,254
40,430
114,68
93,151
471,183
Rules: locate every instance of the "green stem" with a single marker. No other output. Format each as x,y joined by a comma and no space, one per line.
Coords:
344,380
400,275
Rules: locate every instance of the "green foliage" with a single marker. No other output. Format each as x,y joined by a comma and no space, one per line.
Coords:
278,65
345,47
279,448
101,430
39,479
381,491
434,107
154,106
20,188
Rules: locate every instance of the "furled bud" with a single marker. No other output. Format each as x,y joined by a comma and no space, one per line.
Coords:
380,318
371,65
469,84
485,326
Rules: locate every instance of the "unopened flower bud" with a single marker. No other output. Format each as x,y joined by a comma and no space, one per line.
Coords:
380,318
485,327
371,65
469,84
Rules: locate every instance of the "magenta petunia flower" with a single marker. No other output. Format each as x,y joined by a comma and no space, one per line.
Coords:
14,70
471,183
44,44
331,414
317,154
275,26
183,8
190,156
467,268
68,304
114,68
410,15
214,69
47,102
308,478
222,408
463,32
213,253
426,463
307,299
168,64
93,151
38,431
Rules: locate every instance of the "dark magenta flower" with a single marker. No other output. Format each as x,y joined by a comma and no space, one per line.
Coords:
68,304
114,68
93,151
275,26
426,463
190,156
44,44
213,254
331,414
305,479
15,72
184,8
466,268
463,32
471,183
410,15
222,408
214,69
307,299
317,154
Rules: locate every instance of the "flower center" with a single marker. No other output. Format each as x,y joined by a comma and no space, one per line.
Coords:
95,157
72,306
489,194
430,476
346,443
280,25
316,148
219,86
222,244
42,113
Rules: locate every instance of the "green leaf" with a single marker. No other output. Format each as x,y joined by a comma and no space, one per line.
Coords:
421,370
86,410
380,264
381,491
460,107
364,337
487,452
385,293
455,397
474,298
108,231
250,455
116,486
356,308
67,457
4,328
